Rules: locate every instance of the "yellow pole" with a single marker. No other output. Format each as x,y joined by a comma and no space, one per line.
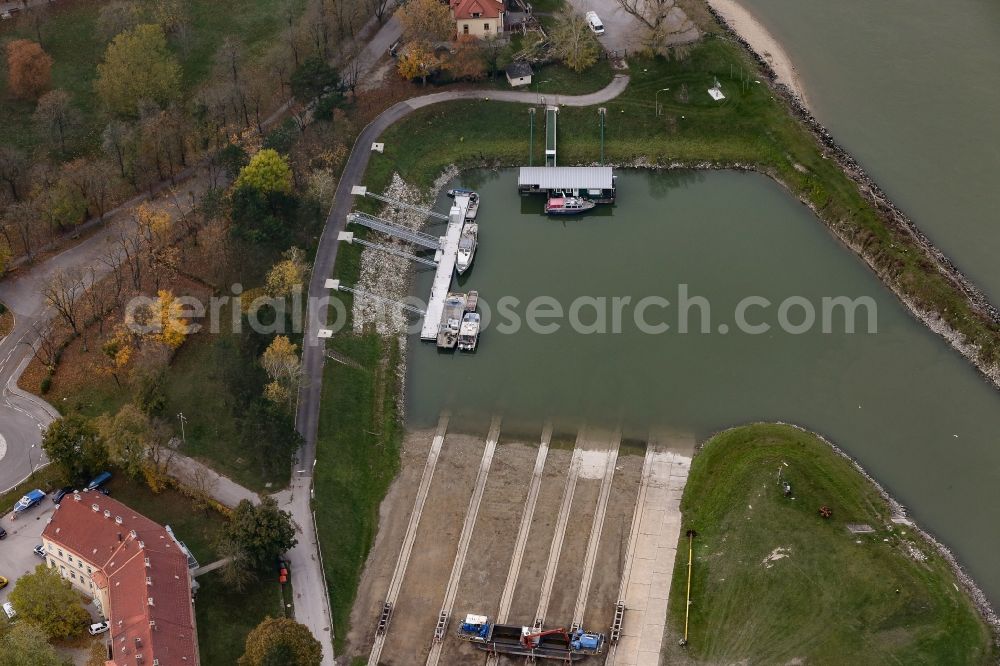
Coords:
687,607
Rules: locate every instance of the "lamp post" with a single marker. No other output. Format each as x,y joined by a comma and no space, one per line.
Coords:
531,136
602,112
182,419
656,99
541,100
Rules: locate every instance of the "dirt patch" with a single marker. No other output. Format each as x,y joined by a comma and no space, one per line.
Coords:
415,615
574,549
6,321
492,545
609,565
394,516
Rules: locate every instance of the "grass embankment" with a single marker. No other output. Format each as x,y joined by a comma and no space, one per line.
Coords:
775,583
69,33
225,616
750,128
357,451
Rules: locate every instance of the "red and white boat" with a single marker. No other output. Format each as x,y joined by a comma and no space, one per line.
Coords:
567,206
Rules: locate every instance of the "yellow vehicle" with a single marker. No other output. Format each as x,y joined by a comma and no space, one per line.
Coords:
3,582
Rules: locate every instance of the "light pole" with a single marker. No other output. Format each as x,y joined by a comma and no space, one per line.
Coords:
182,419
531,135
602,112
656,99
541,100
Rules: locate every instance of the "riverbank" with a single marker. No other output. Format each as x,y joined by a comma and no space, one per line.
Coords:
762,42
769,570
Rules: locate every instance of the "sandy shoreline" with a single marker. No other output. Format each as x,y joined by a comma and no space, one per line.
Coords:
757,36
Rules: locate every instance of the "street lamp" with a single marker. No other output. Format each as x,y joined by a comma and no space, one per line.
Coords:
541,100
182,419
531,135
656,99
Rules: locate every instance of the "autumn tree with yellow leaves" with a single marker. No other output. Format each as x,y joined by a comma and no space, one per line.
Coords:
281,362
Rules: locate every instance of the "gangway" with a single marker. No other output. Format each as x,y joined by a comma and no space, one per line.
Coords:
551,113
395,203
336,286
348,237
388,228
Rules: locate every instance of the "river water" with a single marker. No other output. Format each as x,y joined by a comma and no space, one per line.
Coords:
912,89
911,409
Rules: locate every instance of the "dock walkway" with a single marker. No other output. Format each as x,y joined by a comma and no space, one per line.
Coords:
448,255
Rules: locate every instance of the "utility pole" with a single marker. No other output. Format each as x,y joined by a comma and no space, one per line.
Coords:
602,112
531,136
182,419
656,100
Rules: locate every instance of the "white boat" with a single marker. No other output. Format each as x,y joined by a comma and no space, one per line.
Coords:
567,206
468,334
472,301
451,320
460,191
467,247
470,212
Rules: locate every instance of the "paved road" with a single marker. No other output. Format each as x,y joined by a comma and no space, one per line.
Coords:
310,393
23,534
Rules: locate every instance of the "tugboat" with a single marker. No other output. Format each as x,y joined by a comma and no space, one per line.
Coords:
567,206
467,247
468,334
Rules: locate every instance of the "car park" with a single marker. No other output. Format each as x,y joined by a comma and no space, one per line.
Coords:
594,21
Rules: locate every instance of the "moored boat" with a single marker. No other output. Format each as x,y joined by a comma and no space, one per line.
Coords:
567,206
459,191
473,208
467,247
468,334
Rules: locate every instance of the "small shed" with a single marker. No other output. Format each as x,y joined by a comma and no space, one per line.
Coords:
518,74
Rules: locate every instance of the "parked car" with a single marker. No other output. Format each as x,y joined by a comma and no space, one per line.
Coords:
99,480
3,533
58,495
594,21
98,628
28,501
8,608
3,582
39,550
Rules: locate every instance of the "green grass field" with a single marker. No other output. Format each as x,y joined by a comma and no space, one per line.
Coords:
225,616
834,597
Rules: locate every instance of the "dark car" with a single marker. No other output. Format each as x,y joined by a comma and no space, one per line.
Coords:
3,533
58,495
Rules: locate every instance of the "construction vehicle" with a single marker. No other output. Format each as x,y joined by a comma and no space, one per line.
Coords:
511,639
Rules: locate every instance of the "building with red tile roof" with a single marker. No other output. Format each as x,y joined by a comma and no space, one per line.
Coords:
479,18
137,573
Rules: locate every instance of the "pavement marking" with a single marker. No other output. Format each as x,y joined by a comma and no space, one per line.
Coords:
468,526
590,559
411,533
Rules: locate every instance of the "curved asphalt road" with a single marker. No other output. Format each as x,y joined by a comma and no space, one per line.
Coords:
310,392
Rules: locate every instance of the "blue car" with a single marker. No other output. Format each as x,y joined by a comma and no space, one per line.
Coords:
99,480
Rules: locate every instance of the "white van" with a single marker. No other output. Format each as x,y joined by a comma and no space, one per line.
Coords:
8,608
595,23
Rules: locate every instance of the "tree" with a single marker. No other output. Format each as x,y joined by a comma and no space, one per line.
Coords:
419,60
55,116
63,293
29,68
127,437
281,362
117,16
257,535
72,443
281,641
426,21
495,51
314,78
44,599
573,42
13,170
267,172
288,274
138,66
663,22
467,60
26,645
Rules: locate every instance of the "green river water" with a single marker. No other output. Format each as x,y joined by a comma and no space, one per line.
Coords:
911,409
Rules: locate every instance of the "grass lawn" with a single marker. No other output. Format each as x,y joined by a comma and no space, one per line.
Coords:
197,527
225,616
357,453
834,597
555,78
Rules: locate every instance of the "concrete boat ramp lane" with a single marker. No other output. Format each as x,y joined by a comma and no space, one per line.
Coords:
545,531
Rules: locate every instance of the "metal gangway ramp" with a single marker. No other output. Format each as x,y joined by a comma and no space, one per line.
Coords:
551,113
384,226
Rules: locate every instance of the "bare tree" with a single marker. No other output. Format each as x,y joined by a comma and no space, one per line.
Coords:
665,24
13,169
45,345
64,293
377,8
113,259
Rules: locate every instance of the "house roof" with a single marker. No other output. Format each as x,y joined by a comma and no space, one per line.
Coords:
566,178
144,571
466,9
516,70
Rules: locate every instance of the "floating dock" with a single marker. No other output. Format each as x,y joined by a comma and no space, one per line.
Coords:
446,256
